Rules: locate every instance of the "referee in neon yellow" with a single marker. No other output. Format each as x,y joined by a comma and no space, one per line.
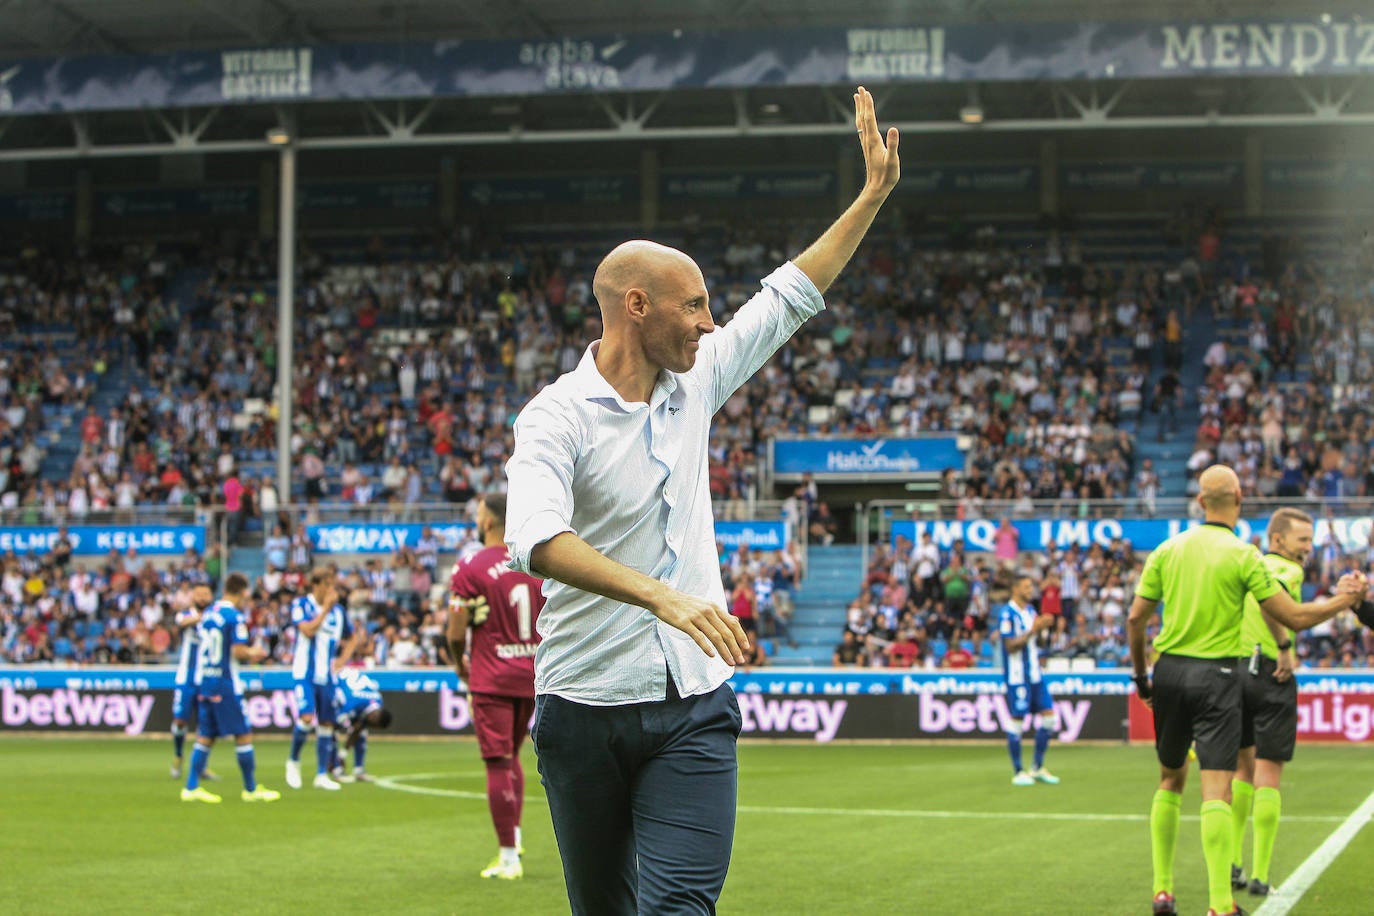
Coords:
1269,703
1202,576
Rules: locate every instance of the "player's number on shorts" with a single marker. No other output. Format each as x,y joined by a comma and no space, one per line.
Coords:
211,646
520,597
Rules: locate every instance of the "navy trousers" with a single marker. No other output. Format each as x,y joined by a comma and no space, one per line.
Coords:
643,800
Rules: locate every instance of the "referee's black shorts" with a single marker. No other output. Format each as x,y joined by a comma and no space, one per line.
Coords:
1269,712
1197,703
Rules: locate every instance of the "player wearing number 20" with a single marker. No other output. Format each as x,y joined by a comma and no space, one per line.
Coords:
500,606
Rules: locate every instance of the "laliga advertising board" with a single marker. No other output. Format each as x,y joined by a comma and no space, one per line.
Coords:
800,704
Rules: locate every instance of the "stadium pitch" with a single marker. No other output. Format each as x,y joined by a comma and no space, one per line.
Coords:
96,826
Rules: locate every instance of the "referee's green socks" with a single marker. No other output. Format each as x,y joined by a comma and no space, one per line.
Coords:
1164,837
1216,849
1267,807
1242,794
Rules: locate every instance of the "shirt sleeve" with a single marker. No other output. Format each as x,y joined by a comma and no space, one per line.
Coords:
539,502
1258,580
239,628
1005,626
298,615
762,325
1150,587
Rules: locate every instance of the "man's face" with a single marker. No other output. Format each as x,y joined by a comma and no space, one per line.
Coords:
202,597
678,314
1296,543
1023,591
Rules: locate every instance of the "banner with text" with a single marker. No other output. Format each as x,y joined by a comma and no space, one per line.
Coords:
831,705
926,51
36,206
98,540
382,537
980,535
839,459
746,185
1140,176
759,535
551,189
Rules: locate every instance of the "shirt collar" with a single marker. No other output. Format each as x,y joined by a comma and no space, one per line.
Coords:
595,387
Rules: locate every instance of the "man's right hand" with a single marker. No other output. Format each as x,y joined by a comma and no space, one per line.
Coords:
1144,689
710,626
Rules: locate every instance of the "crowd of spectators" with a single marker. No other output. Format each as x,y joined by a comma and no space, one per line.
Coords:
408,375
121,608
923,607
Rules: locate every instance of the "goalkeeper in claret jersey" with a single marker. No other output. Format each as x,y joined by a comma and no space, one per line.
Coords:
501,607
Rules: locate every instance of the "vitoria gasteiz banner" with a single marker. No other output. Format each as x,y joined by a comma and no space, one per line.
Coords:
801,704
926,50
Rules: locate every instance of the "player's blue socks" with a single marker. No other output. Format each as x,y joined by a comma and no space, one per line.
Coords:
1042,743
200,755
360,751
324,750
178,740
1014,748
298,736
247,764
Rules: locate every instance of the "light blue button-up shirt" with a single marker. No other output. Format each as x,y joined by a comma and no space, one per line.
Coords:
631,480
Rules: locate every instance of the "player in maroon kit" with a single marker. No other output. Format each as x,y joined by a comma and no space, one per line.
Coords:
501,607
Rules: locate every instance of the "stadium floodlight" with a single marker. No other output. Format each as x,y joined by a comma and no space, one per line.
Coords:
279,136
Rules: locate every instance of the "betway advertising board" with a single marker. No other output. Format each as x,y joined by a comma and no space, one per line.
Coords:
804,704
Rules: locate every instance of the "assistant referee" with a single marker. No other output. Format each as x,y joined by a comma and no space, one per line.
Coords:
1203,576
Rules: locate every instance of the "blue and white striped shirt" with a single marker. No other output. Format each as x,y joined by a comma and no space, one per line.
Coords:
1021,667
630,479
313,658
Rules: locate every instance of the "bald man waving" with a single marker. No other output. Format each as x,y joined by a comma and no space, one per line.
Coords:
635,725
1203,576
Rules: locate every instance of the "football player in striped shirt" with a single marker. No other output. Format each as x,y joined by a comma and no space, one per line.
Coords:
322,627
223,643
357,707
1027,692
184,684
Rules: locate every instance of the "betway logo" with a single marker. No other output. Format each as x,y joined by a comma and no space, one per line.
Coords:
820,718
988,715
67,708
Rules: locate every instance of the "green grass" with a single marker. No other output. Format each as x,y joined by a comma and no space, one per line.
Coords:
92,826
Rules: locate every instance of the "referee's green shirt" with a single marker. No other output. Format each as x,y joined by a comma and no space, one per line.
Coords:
1203,575
1254,630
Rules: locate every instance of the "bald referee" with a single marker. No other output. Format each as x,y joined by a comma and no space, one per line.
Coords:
1203,576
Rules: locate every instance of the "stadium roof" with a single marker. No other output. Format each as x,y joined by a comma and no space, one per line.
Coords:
70,27
59,28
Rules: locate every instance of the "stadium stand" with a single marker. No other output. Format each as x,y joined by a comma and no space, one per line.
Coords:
1045,347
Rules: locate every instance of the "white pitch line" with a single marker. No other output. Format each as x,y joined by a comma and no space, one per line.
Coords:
399,784
1284,898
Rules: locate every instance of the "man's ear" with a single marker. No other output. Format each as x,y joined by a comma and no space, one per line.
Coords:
636,303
